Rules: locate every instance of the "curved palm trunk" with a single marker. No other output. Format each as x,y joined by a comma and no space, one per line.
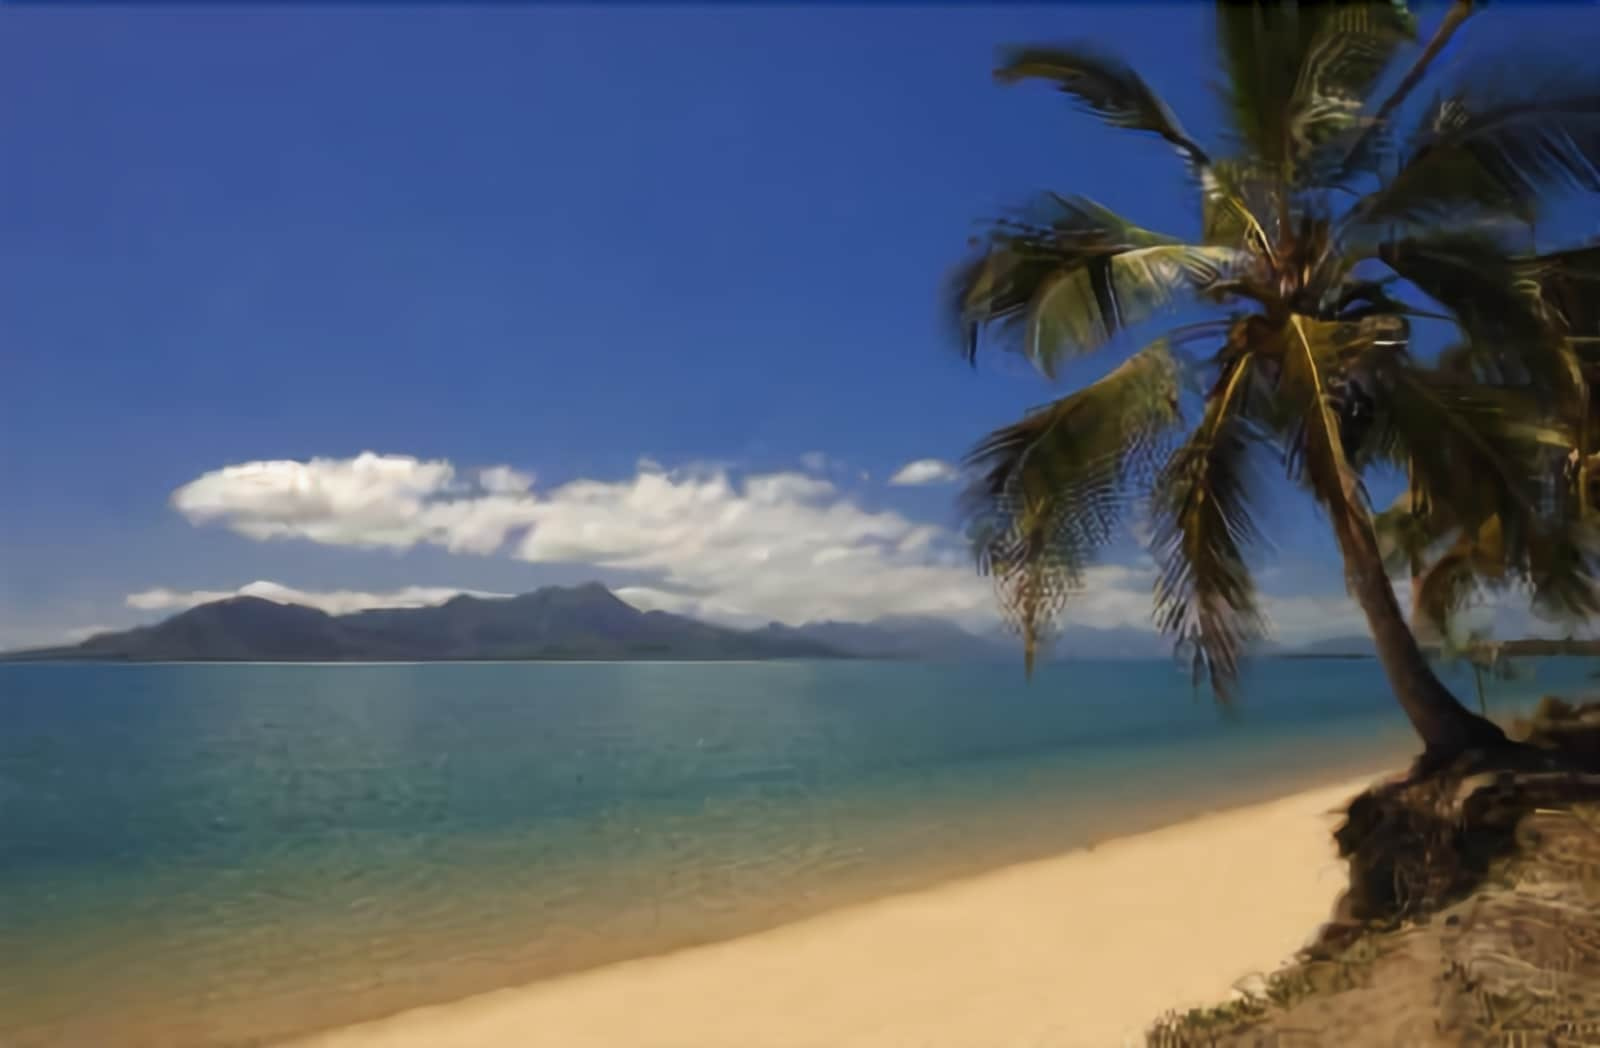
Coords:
1445,726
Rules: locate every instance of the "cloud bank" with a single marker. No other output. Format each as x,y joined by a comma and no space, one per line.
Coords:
787,545
702,540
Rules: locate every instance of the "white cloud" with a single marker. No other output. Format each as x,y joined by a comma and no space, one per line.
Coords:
815,461
784,546
334,602
1296,620
925,471
701,540
1112,595
648,598
504,480
392,501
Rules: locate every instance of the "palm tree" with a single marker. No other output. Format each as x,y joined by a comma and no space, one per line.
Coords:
1318,229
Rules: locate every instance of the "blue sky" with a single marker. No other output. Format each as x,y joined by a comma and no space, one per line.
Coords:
559,241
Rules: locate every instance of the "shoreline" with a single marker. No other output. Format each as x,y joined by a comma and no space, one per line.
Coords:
990,958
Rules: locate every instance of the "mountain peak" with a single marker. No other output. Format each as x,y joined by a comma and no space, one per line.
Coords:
246,604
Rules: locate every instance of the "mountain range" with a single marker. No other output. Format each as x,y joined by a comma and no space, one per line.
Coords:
575,622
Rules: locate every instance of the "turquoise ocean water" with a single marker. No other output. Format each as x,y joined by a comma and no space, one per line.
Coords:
230,854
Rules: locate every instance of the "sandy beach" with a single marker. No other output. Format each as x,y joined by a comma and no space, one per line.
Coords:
1085,948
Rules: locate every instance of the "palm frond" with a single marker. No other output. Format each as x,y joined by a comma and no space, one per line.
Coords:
1084,222
1262,49
1314,387
997,288
1471,448
1374,143
1239,202
1352,46
1358,298
1443,588
1052,488
1495,300
1561,567
1553,562
1488,464
1081,310
1106,87
1567,288
1205,597
1298,74
1493,152
1568,285
1058,284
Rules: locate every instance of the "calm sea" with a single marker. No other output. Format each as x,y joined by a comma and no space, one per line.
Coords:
229,854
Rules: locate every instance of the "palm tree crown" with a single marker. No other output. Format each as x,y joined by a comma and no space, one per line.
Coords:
1326,233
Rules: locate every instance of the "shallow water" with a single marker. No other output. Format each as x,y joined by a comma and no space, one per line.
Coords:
227,854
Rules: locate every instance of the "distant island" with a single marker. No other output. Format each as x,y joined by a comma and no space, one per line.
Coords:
552,623
585,622
590,622
577,622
